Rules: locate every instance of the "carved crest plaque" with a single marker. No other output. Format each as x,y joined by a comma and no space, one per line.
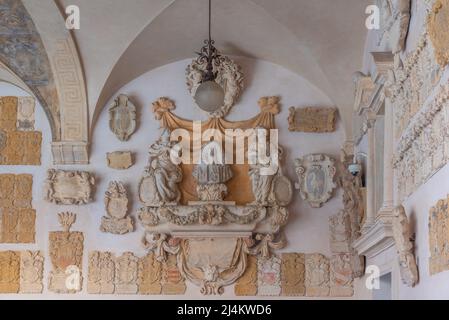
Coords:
122,118
316,178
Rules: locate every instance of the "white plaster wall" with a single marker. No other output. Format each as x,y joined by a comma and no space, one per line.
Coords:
307,230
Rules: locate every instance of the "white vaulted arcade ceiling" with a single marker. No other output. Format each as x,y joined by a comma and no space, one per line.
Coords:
121,40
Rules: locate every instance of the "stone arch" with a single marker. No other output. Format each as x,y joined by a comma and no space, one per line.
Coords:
38,49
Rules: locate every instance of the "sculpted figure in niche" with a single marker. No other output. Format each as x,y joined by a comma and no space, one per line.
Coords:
160,182
262,174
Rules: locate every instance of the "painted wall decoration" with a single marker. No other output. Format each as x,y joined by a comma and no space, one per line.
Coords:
69,187
66,254
19,143
122,118
17,217
313,120
316,178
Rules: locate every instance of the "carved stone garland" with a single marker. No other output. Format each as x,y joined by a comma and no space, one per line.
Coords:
316,178
229,77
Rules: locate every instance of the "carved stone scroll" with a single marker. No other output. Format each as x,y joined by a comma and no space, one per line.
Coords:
341,278
116,203
438,30
31,272
101,273
150,275
119,160
293,274
269,276
317,275
316,178
403,239
122,118
126,270
247,283
69,187
9,272
66,254
314,120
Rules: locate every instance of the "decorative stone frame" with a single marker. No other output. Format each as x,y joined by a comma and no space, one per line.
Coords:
307,166
229,77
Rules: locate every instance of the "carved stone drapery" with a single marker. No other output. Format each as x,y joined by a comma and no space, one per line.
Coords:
69,187
229,77
316,178
122,118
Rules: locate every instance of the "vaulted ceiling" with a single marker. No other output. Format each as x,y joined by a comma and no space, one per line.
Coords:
321,40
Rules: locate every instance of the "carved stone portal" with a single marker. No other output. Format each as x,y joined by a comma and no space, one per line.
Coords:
66,254
316,178
314,120
116,204
122,118
69,187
